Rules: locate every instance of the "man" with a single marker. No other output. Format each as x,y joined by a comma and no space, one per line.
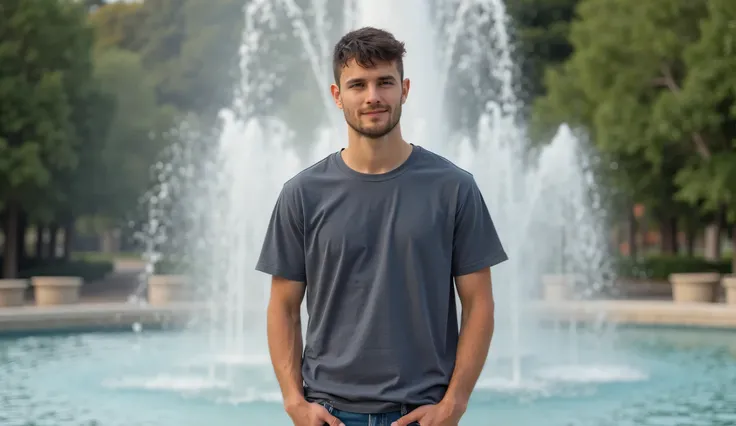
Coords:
377,234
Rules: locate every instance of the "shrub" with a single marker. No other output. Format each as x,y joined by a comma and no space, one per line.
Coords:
659,267
87,270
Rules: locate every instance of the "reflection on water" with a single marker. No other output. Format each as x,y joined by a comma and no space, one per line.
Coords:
645,377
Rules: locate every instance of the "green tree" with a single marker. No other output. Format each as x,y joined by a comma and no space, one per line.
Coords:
44,72
650,84
114,171
190,49
541,29
704,112
116,24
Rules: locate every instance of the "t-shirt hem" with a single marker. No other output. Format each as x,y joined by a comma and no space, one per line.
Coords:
363,407
486,262
270,269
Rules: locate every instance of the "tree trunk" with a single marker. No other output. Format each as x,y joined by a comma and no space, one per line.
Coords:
20,242
632,235
53,239
10,254
733,249
109,241
68,238
668,232
690,234
713,241
675,231
39,241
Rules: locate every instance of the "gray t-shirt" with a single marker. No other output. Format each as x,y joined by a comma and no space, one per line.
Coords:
378,253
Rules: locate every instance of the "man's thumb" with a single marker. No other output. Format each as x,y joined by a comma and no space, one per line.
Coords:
330,419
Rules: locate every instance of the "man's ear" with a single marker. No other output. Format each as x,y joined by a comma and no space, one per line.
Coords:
335,90
405,85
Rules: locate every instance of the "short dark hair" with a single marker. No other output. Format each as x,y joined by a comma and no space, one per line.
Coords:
367,45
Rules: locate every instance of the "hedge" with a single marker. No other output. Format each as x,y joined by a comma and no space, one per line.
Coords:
87,270
659,267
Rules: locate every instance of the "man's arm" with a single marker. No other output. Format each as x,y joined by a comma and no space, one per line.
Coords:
285,338
476,332
476,248
284,330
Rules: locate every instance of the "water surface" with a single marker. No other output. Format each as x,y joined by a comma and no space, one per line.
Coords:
629,377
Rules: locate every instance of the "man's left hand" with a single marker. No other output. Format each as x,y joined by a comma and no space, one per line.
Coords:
442,414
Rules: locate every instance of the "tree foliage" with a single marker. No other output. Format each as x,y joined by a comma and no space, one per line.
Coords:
45,67
116,172
623,83
188,48
541,29
116,25
653,86
163,61
45,74
89,91
705,112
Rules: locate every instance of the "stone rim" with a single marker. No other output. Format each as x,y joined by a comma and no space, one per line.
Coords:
13,284
167,280
695,278
59,281
729,281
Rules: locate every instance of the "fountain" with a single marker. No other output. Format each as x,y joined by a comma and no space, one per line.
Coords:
536,201
213,199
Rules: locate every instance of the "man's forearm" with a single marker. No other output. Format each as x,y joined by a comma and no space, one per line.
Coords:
476,332
285,346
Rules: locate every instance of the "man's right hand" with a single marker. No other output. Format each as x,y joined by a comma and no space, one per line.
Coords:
306,413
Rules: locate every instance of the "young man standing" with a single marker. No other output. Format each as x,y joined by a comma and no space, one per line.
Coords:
378,235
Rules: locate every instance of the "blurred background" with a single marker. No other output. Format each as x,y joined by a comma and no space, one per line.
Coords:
93,93
143,144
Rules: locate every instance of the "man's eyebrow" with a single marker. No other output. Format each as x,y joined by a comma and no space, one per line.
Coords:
362,80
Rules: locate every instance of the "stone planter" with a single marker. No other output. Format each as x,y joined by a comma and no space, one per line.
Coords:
13,292
558,287
164,289
56,290
729,285
695,287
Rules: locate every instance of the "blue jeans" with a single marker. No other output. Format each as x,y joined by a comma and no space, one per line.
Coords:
360,419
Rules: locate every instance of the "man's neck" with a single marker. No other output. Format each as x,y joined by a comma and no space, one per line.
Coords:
375,156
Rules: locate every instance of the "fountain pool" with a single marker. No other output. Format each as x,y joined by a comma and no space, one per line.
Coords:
642,377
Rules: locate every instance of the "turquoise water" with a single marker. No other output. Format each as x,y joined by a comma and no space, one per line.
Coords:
626,377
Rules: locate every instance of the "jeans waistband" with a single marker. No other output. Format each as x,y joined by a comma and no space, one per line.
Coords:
404,409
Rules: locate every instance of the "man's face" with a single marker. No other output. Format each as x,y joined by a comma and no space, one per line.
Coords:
371,98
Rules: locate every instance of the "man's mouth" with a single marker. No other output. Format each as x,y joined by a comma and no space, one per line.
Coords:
376,112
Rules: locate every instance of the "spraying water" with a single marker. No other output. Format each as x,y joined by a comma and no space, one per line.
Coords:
459,59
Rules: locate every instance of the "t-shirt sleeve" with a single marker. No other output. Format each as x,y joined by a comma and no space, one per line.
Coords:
282,253
476,244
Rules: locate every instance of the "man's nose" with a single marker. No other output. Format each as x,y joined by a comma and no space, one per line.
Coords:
372,96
